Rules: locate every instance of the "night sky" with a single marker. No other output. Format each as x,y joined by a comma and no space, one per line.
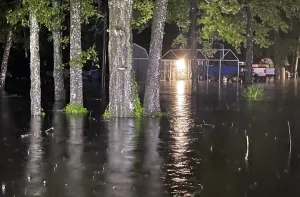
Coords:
143,39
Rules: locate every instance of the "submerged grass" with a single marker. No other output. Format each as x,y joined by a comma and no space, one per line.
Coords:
139,111
106,114
75,109
253,92
42,112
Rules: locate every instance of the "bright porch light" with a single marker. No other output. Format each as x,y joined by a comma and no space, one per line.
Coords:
180,64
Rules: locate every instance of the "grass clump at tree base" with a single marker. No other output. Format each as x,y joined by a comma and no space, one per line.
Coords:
107,114
253,92
75,109
139,111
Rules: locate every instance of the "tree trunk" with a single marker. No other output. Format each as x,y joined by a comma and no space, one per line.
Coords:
35,90
249,47
193,45
103,64
297,61
5,59
76,97
104,53
121,97
24,43
152,89
58,75
296,65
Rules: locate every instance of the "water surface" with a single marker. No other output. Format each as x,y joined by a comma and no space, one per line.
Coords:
215,144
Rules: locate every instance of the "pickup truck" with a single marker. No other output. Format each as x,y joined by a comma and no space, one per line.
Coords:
262,73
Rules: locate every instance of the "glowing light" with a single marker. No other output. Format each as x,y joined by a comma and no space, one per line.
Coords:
180,64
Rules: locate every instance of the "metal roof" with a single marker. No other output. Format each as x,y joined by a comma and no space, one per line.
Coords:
139,52
218,54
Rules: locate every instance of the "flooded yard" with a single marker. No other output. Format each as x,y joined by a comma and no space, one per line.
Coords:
215,144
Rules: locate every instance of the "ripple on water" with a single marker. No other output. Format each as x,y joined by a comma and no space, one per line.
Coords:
202,149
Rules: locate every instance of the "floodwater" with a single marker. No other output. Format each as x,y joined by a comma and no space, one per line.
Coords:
215,144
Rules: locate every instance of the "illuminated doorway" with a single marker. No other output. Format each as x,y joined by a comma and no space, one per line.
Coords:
181,70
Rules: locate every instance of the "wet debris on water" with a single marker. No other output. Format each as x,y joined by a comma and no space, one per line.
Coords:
47,132
206,125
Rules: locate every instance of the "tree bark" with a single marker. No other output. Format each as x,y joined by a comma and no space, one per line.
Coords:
35,90
249,47
152,89
76,97
5,59
59,87
297,61
296,65
104,52
193,45
24,43
121,97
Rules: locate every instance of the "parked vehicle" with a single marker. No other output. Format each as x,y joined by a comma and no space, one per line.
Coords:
262,73
212,72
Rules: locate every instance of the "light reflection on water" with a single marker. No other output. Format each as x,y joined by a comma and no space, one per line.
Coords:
179,170
180,96
75,168
168,156
120,157
35,179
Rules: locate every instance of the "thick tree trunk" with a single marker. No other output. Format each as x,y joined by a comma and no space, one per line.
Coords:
76,97
5,59
193,45
249,47
35,90
121,97
59,88
152,89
